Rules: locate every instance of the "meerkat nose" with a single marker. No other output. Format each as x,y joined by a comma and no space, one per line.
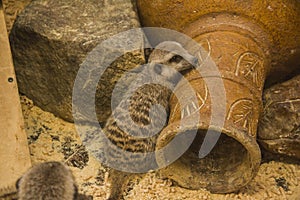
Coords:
195,62
191,59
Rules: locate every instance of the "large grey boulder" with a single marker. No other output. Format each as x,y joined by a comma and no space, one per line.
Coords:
50,39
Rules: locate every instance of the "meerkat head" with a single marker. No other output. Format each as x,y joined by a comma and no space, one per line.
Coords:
168,58
49,180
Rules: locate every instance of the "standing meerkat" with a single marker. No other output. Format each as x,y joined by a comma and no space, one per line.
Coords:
47,181
164,64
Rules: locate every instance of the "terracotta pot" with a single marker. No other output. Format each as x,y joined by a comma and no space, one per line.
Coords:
235,159
279,20
238,38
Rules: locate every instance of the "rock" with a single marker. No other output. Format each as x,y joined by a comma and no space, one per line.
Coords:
50,39
279,127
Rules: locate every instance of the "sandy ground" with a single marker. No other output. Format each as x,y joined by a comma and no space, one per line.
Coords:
12,8
51,138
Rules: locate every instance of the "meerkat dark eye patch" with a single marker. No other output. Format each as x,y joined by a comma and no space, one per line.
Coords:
158,69
176,59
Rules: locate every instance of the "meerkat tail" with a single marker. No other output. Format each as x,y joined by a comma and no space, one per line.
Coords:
118,180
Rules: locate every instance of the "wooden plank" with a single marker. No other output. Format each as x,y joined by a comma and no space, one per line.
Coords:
14,152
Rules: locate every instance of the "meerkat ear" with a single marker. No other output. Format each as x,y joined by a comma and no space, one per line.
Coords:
18,183
147,52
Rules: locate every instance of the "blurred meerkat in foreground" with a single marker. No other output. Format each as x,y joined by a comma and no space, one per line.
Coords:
133,134
44,181
47,181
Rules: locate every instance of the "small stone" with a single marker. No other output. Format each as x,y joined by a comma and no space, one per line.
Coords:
279,128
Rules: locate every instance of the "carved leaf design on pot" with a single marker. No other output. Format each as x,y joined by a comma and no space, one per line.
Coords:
188,106
204,55
250,65
193,107
241,114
